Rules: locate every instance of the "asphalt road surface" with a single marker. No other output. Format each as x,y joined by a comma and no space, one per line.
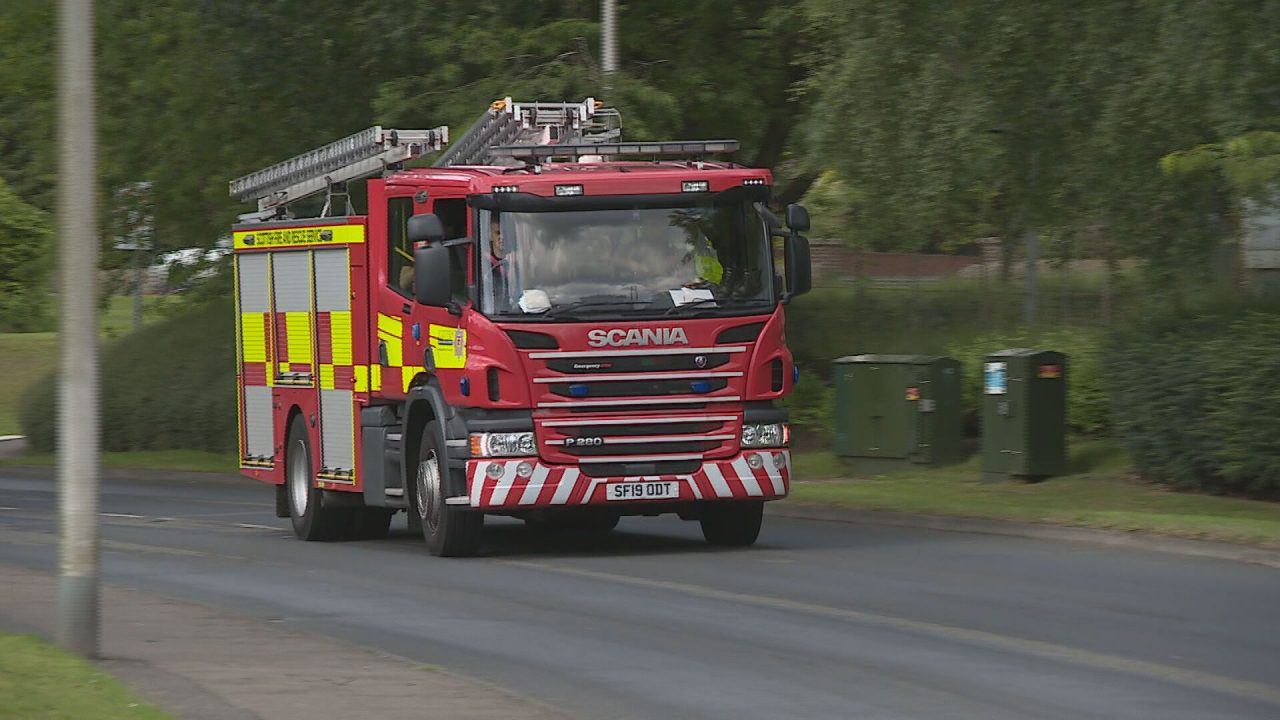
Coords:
819,620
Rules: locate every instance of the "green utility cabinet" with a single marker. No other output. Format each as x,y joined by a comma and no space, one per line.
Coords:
1024,414
893,411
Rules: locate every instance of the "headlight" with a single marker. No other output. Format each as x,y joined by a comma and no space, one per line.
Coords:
769,435
502,444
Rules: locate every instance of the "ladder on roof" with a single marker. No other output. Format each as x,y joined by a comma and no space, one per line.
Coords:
328,168
508,123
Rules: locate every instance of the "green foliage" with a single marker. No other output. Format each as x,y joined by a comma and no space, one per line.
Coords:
812,409
170,385
1249,162
1194,394
1088,408
25,261
956,120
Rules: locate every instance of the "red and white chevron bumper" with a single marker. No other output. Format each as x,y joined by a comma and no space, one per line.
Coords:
519,483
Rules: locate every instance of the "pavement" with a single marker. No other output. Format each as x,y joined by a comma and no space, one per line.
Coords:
819,620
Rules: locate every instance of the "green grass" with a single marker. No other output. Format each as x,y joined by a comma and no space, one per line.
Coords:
1101,491
26,357
39,681
187,460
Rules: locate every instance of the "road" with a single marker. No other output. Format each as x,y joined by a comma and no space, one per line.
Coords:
819,620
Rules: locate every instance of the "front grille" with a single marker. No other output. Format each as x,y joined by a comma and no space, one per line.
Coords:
664,467
639,388
659,438
681,428
641,448
637,363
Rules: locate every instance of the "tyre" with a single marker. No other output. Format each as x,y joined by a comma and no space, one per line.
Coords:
732,523
449,532
311,519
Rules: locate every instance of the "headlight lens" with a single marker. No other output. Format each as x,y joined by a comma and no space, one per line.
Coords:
502,444
768,435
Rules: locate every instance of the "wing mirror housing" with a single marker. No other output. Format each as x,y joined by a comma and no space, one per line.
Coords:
425,228
797,218
431,273
799,267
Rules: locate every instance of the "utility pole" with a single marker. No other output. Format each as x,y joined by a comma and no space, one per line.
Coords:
608,39
78,552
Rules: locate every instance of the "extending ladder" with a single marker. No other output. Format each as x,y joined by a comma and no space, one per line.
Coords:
377,150
508,123
328,168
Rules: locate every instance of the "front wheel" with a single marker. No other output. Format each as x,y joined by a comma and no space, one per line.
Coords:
732,523
449,532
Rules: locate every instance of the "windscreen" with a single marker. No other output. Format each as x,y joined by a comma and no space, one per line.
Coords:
646,262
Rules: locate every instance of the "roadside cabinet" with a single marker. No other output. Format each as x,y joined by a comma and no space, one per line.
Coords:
1024,414
894,411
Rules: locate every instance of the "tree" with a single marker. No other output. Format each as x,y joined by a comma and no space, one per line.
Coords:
25,261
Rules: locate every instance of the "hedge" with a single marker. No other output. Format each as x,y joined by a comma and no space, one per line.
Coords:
169,385
1197,398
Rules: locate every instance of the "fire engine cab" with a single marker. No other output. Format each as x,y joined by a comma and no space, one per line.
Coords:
547,323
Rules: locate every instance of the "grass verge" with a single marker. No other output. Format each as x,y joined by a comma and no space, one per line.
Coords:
39,681
26,357
1101,491
187,460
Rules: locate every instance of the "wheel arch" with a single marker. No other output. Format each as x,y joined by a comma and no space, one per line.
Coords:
424,404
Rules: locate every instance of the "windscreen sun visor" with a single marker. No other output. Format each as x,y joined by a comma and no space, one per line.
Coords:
528,202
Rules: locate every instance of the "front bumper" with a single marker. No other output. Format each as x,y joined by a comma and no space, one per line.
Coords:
565,485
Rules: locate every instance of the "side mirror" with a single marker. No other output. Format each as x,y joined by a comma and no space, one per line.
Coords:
431,274
797,218
425,228
799,267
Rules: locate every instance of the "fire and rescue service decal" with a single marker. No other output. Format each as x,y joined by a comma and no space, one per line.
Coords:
293,237
618,337
528,483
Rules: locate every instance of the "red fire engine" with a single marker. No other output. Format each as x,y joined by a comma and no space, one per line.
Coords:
548,323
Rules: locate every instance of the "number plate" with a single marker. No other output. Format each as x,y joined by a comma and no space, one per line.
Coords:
656,490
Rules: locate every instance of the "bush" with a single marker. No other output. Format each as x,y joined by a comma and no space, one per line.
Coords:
1197,397
811,408
169,385
1088,409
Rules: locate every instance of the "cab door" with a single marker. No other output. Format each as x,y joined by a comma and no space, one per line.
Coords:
410,339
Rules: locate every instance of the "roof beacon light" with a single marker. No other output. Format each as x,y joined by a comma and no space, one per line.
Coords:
695,186
568,190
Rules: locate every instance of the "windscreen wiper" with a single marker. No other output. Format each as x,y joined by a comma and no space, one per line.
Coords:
691,304
566,311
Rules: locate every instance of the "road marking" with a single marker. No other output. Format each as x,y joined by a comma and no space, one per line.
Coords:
6,507
131,516
1036,648
251,526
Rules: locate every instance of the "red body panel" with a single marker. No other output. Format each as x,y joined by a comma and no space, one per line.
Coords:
394,341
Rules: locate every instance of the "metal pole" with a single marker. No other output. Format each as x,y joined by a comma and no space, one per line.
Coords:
608,39
78,557
1033,290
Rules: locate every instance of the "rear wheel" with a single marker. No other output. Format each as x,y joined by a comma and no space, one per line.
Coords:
449,532
732,523
311,519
